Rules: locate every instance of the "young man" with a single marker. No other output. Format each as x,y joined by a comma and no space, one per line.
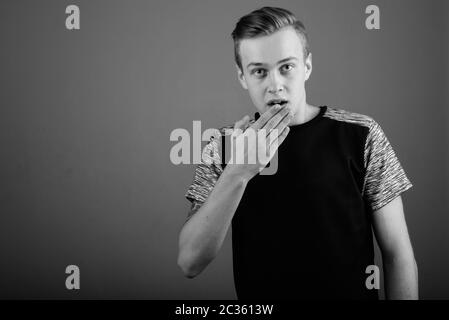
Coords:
305,231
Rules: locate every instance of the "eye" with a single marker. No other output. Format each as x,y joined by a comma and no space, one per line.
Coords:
287,67
258,72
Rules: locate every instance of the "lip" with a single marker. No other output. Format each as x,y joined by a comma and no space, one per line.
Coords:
270,104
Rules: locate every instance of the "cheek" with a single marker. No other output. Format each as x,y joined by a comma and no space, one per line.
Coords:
256,91
297,83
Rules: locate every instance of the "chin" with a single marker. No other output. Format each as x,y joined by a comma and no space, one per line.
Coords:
262,110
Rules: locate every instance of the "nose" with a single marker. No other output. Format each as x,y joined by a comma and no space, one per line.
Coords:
275,85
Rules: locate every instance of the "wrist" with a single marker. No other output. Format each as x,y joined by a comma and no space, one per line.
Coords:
231,173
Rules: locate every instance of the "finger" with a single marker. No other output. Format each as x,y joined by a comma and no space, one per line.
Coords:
238,124
275,136
246,122
266,116
242,124
279,121
281,137
276,140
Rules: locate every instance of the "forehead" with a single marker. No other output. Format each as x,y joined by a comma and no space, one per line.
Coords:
272,48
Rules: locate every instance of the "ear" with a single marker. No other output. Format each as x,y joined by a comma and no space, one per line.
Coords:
241,77
308,65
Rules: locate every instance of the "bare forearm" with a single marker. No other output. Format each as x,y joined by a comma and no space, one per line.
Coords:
202,236
401,278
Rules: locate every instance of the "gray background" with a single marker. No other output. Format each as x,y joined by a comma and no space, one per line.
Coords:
85,174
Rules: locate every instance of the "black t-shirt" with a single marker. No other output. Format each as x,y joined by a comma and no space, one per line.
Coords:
305,231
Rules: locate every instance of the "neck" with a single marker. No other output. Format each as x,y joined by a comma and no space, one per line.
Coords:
304,113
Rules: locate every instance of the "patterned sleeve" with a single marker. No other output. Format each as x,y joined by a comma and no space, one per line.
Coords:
206,176
385,178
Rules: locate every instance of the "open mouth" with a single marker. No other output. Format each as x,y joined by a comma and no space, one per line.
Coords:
281,102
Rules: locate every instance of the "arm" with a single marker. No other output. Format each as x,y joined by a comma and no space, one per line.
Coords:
203,234
400,269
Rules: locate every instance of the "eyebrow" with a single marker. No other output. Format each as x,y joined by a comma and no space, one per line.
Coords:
257,64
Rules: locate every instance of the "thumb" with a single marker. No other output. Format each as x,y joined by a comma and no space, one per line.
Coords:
242,124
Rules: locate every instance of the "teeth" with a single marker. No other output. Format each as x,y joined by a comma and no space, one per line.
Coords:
272,103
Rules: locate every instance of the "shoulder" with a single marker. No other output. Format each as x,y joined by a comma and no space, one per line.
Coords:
346,116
